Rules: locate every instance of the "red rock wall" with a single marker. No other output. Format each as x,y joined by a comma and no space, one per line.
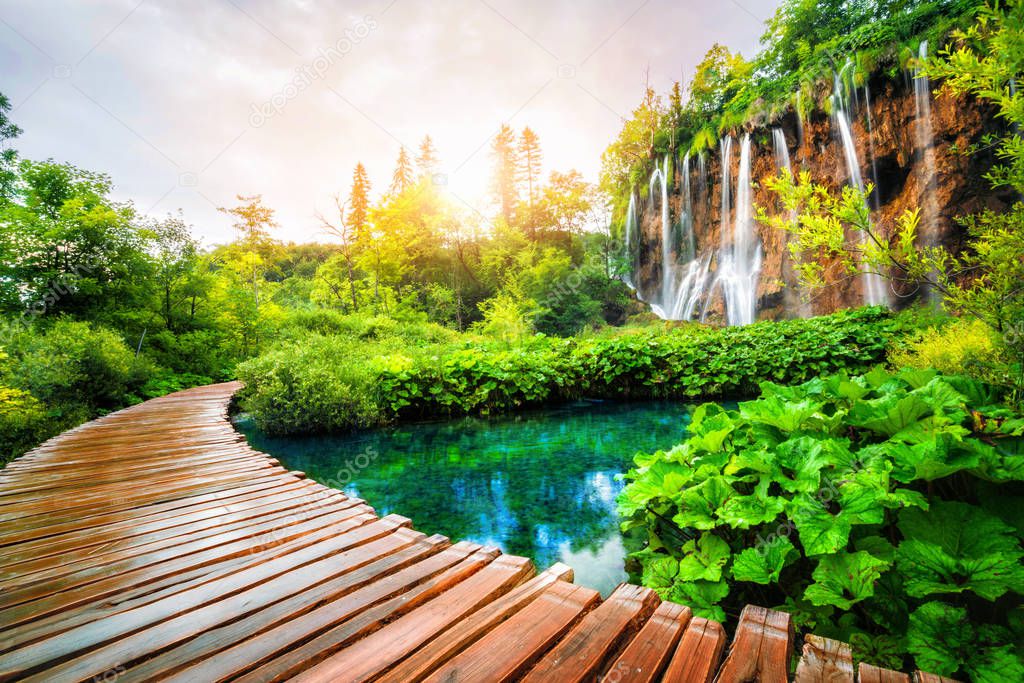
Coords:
958,187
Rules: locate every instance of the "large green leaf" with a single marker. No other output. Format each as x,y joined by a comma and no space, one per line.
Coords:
743,512
821,533
764,563
890,414
702,597
940,637
956,547
704,558
699,504
660,480
660,573
845,579
788,416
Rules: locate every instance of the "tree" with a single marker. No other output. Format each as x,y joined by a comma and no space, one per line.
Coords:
402,179
427,160
530,158
504,185
567,202
253,222
359,201
8,155
345,232
175,254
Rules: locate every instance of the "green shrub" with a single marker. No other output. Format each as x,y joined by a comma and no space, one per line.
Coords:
883,510
23,423
967,347
333,383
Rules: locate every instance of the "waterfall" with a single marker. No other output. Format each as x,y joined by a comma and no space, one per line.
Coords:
877,194
631,231
725,145
782,162
781,150
928,230
689,239
739,263
875,291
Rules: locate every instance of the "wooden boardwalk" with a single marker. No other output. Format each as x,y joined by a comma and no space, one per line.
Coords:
154,544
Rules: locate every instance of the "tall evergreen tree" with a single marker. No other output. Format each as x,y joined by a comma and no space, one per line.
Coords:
427,159
359,201
530,158
403,177
8,156
504,183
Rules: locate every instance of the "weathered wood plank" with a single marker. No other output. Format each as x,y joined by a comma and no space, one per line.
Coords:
288,664
761,649
130,635
647,655
444,646
367,658
868,673
823,659
586,651
512,648
698,654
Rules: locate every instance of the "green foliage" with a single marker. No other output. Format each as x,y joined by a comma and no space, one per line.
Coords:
405,379
857,503
956,346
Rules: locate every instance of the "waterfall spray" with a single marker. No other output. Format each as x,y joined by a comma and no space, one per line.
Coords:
875,291
928,232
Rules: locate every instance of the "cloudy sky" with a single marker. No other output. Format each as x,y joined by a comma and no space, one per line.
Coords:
186,103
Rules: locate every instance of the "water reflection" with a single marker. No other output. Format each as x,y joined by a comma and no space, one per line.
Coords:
540,484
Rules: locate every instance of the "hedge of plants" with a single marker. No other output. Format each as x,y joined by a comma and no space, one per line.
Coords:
885,510
333,383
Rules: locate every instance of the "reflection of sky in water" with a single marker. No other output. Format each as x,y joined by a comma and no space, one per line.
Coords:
540,484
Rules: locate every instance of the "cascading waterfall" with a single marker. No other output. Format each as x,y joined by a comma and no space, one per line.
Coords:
928,231
739,262
876,196
783,163
631,232
875,291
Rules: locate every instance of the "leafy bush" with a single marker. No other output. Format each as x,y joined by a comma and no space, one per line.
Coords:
967,347
882,509
325,383
23,423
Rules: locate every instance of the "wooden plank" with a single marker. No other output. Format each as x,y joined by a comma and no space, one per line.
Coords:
294,506
425,559
101,580
366,659
446,645
925,677
761,649
698,654
84,541
314,530
824,659
868,673
585,653
12,536
284,652
129,636
509,650
647,655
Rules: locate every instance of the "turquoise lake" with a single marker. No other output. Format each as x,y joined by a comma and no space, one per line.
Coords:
540,483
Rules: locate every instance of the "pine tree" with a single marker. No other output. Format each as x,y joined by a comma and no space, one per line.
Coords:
504,182
359,201
403,176
530,157
427,159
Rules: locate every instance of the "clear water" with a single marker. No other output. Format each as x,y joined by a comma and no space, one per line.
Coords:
541,484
